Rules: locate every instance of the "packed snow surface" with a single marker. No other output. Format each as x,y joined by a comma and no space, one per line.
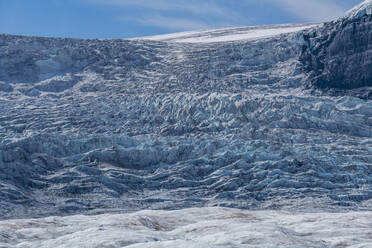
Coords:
231,34
192,228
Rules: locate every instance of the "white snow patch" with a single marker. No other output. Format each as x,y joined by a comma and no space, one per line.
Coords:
230,34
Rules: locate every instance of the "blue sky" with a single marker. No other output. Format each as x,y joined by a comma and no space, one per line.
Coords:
136,18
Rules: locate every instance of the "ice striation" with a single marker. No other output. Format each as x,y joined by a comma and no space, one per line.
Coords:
278,120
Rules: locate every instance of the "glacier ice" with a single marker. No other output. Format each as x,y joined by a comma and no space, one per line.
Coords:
276,118
362,9
230,34
197,227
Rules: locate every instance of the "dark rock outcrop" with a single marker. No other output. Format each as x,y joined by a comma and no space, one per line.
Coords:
338,56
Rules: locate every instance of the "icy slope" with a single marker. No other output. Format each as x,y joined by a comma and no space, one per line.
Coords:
94,126
365,8
231,34
192,228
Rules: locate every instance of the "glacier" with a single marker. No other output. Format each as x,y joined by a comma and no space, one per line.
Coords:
192,228
230,34
248,121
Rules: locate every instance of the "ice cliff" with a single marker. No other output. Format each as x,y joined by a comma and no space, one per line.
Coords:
337,55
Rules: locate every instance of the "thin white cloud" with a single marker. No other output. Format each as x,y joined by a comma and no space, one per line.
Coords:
313,10
161,13
205,7
169,23
202,14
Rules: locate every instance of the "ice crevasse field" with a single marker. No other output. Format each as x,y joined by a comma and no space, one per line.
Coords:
235,137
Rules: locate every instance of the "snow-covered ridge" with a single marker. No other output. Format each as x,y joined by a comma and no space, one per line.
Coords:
231,34
365,8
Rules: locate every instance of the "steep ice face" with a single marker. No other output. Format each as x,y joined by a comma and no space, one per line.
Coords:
337,55
365,8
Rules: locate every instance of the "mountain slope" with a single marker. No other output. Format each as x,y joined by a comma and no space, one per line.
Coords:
99,126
